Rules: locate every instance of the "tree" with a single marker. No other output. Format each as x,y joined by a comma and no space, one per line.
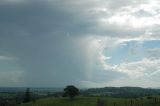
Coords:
27,97
71,91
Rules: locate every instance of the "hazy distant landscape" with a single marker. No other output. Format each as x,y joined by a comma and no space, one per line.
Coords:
108,96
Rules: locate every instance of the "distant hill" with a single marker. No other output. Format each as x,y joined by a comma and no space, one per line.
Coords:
122,91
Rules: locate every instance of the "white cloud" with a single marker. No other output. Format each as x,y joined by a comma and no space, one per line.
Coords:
126,16
139,69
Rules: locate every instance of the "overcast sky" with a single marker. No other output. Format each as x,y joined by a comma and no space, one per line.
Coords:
88,43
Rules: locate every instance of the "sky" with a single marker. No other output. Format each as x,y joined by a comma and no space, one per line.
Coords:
87,43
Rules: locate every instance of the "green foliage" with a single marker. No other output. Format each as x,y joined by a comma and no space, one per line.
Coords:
71,91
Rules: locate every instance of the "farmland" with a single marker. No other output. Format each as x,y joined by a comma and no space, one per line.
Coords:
92,101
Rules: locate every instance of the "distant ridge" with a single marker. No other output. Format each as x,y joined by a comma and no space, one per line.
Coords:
123,91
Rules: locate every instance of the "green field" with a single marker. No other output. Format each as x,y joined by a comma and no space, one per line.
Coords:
92,101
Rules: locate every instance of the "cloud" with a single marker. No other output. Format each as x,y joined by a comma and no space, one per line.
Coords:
82,18
141,68
6,58
145,69
61,42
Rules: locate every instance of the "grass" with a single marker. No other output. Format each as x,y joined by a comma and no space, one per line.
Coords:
92,101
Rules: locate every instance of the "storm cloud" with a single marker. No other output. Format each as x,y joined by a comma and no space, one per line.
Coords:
53,43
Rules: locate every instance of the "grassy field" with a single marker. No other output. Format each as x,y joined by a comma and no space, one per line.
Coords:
92,101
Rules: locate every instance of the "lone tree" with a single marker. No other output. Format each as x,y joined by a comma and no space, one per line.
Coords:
27,97
71,91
